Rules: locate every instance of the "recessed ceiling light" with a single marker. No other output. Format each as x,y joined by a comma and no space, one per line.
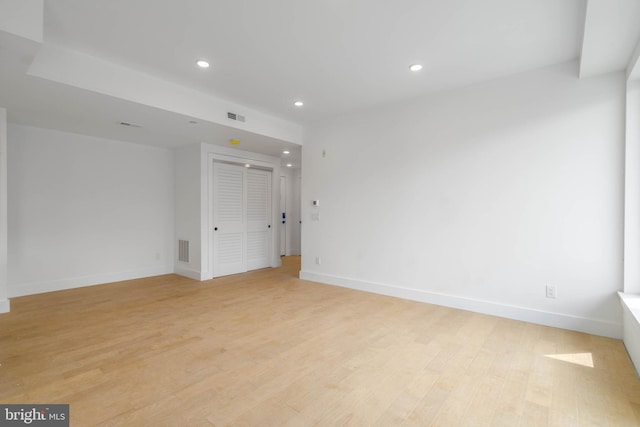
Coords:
247,165
415,67
298,103
234,141
289,165
285,152
202,63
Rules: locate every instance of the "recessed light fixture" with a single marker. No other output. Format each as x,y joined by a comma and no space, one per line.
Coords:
289,165
202,63
415,67
285,152
234,141
298,103
247,165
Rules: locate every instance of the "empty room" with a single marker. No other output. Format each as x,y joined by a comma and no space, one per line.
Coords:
310,213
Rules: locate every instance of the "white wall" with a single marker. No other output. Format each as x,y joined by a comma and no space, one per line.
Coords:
4,300
188,209
630,299
632,190
477,198
85,210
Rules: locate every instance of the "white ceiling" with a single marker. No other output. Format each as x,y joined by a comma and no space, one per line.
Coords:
337,56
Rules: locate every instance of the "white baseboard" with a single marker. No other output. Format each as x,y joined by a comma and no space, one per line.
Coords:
188,272
4,305
558,320
205,275
22,289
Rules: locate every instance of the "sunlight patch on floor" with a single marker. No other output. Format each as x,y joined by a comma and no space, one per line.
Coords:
583,359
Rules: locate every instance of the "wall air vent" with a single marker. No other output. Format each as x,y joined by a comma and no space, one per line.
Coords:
234,116
183,250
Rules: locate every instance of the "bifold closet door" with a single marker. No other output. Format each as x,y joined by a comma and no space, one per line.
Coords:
259,229
242,229
229,219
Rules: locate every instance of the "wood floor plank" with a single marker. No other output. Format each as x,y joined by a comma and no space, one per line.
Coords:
267,349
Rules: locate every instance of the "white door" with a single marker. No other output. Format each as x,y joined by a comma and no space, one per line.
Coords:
229,219
258,219
242,229
283,216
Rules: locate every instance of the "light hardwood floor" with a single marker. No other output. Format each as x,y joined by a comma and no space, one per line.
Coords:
267,349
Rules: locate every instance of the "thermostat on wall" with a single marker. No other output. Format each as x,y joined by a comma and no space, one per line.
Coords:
316,203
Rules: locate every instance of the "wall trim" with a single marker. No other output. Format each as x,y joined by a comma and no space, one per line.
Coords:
4,306
547,318
23,289
190,273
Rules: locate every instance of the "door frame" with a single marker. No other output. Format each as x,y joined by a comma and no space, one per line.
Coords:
228,155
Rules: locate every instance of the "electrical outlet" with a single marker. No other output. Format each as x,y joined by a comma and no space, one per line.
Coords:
318,260
551,291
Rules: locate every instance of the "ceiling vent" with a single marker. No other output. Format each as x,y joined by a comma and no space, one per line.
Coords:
234,116
130,124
